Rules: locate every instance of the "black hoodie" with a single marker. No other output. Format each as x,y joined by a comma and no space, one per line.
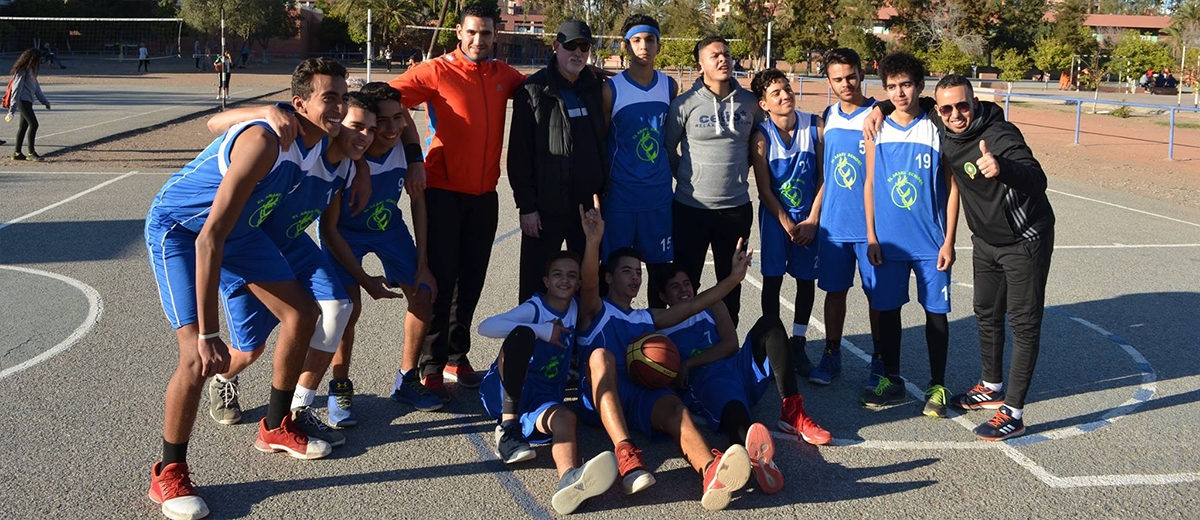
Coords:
1010,207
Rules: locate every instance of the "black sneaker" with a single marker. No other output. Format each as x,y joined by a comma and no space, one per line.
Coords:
885,394
18,156
510,444
1002,426
33,157
977,398
800,359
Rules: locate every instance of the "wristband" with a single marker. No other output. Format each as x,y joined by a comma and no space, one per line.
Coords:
412,152
214,335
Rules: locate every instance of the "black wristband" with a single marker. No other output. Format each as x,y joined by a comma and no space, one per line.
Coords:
412,152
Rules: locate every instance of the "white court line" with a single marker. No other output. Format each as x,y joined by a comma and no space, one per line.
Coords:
1172,219
64,201
1011,452
81,173
95,310
134,115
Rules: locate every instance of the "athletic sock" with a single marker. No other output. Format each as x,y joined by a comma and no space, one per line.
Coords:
995,387
401,375
303,397
277,407
173,453
1016,413
735,422
799,330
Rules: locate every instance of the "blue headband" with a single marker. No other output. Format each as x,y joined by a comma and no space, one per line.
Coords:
641,29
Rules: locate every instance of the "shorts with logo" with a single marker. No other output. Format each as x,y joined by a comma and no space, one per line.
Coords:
891,285
394,248
737,378
250,257
250,322
835,266
779,255
537,396
648,231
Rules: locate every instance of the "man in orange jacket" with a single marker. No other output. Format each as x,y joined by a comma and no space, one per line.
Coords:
466,94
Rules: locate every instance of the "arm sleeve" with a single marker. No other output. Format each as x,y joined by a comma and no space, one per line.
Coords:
501,325
17,85
1019,170
675,125
521,153
417,85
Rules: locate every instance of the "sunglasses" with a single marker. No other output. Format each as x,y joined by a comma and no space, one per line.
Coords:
962,106
575,45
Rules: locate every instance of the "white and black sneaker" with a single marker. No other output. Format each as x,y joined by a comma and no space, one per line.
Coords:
579,484
510,443
223,404
309,422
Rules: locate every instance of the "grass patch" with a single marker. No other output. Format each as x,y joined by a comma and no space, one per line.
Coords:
1178,124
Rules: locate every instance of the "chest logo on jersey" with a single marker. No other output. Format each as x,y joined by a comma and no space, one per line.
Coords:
845,169
647,144
552,367
905,186
301,222
265,206
971,170
792,191
379,215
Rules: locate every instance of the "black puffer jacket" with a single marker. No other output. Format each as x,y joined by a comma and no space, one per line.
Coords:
540,145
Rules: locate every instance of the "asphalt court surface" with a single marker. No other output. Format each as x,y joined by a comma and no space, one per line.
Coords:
1111,410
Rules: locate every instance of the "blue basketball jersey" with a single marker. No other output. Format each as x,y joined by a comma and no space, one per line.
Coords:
307,200
383,211
910,190
550,363
843,218
640,174
614,329
694,335
187,196
793,164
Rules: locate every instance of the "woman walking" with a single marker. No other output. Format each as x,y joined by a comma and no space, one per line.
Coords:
25,88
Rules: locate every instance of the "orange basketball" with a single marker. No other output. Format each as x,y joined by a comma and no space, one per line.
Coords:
652,360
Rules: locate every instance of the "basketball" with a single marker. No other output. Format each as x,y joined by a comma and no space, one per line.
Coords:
652,360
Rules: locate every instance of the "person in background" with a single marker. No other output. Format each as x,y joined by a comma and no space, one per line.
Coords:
25,89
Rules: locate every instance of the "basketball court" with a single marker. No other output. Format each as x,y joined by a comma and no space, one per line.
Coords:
85,356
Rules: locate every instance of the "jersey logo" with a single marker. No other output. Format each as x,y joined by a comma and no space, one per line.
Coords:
845,173
302,221
904,192
647,144
791,192
379,215
550,371
266,206
971,170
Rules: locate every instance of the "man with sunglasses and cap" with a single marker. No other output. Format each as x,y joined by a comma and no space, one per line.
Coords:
555,158
1003,192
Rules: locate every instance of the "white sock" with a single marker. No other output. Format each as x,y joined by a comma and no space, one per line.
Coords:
303,397
995,387
1016,413
399,380
221,379
799,330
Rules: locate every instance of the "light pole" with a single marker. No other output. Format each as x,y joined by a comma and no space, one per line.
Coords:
221,58
770,25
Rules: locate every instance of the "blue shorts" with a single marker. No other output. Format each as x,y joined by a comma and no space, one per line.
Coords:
638,403
172,250
779,255
647,231
891,285
835,266
537,396
395,250
250,322
736,378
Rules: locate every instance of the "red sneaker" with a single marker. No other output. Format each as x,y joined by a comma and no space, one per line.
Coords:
793,420
634,475
761,449
727,473
435,385
171,487
466,376
288,437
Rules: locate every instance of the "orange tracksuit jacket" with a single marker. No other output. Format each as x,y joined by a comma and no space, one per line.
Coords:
466,102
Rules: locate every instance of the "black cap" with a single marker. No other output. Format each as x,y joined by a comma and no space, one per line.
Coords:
571,30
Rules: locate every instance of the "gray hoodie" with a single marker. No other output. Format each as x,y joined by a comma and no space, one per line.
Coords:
711,170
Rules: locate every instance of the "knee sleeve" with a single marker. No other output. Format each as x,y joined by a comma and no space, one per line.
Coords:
332,324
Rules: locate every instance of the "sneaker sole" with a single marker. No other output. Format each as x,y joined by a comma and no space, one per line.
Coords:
787,428
454,379
885,404
935,413
344,424
276,448
639,484
520,456
990,405
176,515
597,477
226,422
733,473
821,382
432,408
761,450
1017,433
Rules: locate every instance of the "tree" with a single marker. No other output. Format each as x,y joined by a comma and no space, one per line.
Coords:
805,23
1012,66
1018,25
1068,26
388,18
794,55
684,18
678,54
751,18
259,20
1051,55
603,16
948,59
1133,56
867,45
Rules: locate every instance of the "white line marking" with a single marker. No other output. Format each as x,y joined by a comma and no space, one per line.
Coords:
64,201
82,173
198,101
1124,207
95,310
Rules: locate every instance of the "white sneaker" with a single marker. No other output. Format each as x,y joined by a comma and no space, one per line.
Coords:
579,484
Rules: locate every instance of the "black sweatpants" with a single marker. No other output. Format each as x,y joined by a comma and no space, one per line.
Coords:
1011,279
29,123
695,229
462,229
535,251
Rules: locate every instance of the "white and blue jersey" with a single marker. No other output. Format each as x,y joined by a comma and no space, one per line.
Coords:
546,379
910,190
307,200
792,164
614,329
694,335
640,174
842,215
